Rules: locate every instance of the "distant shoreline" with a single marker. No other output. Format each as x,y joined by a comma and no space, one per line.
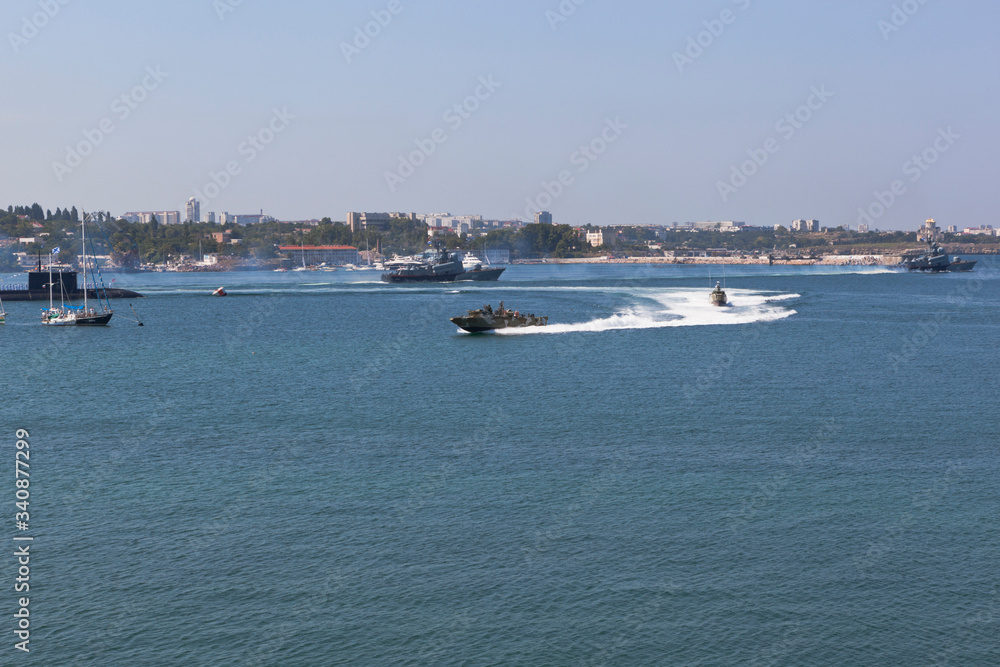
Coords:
860,259
870,260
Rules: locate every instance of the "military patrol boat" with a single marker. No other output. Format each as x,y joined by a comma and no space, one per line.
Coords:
487,319
718,296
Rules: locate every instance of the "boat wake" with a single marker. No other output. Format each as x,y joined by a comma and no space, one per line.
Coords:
682,308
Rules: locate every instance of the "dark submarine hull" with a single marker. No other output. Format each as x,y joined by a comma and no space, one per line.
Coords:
37,288
43,295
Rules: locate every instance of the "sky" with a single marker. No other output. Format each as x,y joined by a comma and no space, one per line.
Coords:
849,111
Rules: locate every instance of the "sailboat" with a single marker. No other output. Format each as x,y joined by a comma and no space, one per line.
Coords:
57,317
85,315
3,315
303,267
91,316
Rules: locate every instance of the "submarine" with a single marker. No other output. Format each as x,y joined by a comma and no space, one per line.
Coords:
37,287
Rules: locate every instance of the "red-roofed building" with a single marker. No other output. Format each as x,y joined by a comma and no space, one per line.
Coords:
318,254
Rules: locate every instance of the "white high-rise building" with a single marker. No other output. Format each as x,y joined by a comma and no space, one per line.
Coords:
193,210
359,221
805,226
162,217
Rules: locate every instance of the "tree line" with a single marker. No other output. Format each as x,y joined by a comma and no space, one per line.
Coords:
131,244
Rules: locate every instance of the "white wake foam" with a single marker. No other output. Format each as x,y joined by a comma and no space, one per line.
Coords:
679,308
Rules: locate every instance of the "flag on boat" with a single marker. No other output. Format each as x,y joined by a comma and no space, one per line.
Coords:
55,251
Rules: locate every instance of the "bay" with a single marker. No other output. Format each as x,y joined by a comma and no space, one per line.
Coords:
321,469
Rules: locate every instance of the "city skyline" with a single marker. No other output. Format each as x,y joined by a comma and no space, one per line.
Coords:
193,205
635,113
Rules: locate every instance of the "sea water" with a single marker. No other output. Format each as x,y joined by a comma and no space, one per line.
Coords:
321,469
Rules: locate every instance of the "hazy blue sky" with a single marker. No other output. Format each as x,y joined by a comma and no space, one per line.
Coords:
223,67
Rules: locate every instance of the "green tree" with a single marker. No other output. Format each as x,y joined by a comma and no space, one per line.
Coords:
8,262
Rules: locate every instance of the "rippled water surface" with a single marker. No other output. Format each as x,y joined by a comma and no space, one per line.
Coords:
321,469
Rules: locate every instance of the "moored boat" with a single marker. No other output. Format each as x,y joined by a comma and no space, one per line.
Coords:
58,317
67,315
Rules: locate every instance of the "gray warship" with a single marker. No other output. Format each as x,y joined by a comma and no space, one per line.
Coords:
487,319
474,270
440,266
936,260
481,273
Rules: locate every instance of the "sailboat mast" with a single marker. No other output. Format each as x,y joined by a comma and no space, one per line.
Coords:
50,278
83,241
